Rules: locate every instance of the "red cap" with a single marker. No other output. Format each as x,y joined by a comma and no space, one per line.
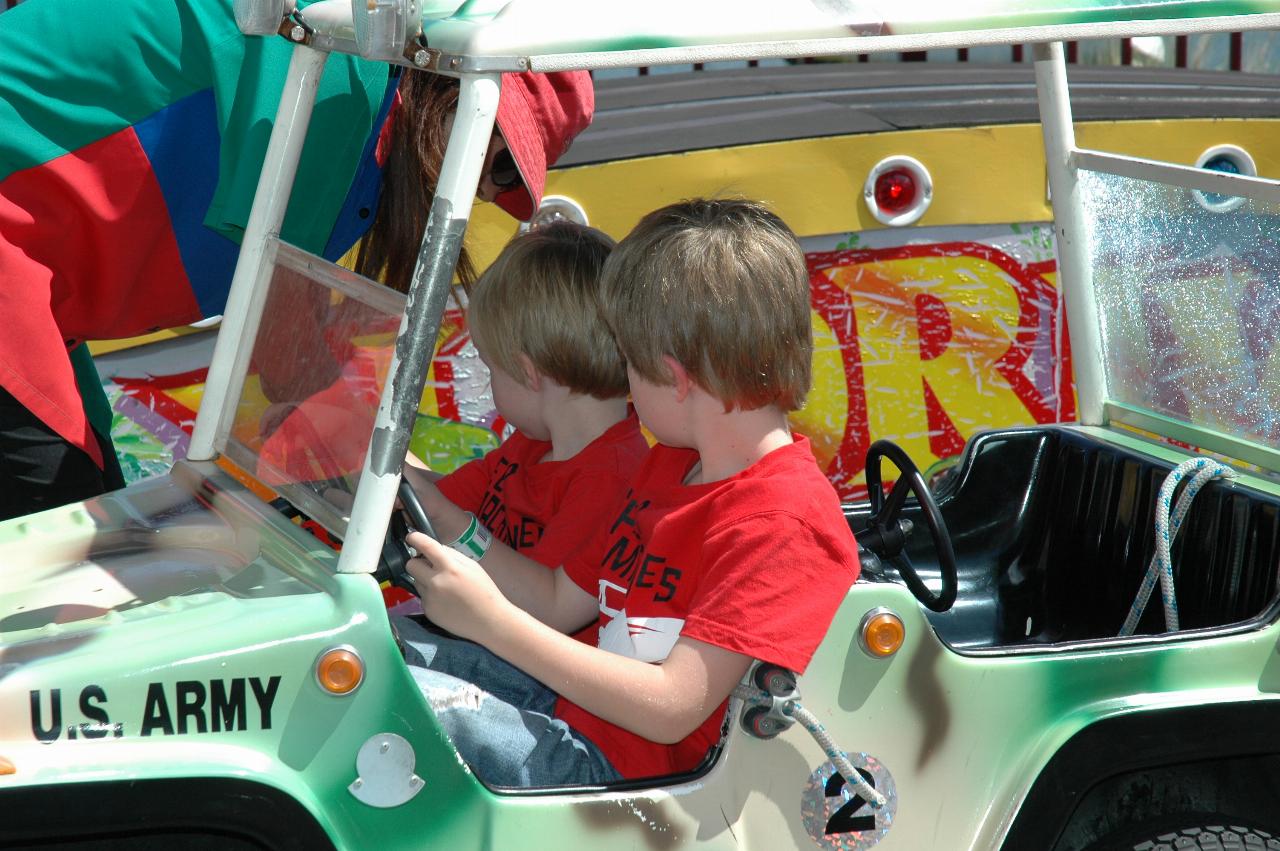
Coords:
539,114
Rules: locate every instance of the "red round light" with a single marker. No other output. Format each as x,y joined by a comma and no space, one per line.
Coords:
895,191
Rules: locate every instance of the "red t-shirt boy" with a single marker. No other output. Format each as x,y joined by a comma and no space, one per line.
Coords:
756,563
557,376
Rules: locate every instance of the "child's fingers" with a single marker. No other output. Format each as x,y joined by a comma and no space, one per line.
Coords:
427,547
425,566
415,462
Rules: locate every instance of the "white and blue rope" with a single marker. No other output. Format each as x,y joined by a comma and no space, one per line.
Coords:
1168,523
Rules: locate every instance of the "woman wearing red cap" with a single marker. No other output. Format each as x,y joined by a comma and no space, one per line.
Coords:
127,167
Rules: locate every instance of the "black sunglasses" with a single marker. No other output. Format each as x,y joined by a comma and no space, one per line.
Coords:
503,172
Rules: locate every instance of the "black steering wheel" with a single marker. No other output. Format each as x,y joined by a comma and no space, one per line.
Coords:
395,552
887,530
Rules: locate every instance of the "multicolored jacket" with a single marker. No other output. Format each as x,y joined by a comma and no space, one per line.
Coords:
131,137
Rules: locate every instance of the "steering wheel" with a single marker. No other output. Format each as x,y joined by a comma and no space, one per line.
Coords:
887,530
395,552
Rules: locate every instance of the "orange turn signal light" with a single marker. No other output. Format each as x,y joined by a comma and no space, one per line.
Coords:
7,767
882,633
340,670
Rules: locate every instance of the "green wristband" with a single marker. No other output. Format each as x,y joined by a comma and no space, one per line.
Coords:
475,541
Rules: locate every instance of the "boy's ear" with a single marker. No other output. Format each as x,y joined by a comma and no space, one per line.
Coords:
680,378
532,378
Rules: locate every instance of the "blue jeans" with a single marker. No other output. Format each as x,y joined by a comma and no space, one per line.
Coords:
498,717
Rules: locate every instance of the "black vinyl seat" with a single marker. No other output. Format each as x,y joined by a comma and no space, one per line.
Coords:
1053,531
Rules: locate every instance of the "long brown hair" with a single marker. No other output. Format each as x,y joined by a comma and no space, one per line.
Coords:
390,249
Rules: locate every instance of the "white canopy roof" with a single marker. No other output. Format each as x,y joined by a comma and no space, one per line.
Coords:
553,34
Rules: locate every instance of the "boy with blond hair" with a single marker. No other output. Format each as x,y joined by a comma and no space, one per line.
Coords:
730,545
558,379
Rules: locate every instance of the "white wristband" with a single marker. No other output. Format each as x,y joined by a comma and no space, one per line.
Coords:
475,541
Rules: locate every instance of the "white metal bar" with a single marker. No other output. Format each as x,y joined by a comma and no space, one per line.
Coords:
877,43
253,267
420,327
1075,272
1190,177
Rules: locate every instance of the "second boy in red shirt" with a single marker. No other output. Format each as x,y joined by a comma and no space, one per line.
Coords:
558,378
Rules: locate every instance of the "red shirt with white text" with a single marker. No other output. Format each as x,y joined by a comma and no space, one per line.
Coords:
756,564
547,509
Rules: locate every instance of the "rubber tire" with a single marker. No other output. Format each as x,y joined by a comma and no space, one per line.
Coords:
1194,833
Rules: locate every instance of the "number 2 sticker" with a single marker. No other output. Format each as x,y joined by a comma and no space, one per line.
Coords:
835,815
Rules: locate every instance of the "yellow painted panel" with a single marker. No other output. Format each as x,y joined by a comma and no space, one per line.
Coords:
981,175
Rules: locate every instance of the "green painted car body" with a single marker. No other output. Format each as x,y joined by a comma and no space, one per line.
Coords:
159,646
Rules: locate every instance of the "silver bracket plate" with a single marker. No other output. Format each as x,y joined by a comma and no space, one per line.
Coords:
385,777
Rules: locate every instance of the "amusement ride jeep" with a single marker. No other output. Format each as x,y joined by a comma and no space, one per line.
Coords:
183,666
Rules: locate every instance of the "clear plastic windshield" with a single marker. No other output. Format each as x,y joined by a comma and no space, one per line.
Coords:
305,416
1188,293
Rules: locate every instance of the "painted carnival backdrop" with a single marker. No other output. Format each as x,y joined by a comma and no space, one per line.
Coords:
923,341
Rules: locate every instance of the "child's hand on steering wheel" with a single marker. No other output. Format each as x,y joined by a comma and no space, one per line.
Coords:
448,520
456,592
